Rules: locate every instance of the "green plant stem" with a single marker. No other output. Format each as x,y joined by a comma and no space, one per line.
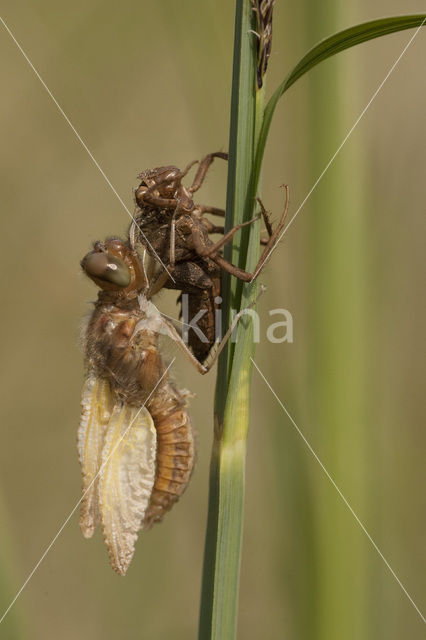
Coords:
219,604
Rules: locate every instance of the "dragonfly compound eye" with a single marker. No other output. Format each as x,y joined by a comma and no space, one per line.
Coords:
104,266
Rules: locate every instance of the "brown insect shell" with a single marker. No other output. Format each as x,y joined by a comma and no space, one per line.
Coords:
167,181
118,249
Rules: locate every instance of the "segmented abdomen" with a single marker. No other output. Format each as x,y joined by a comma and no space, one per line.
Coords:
175,450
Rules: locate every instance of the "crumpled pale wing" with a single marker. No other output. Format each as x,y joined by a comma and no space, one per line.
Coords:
126,480
97,403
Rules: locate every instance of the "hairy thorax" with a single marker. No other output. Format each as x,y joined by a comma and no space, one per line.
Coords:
130,361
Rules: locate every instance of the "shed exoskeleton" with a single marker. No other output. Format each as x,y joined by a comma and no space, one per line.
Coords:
175,230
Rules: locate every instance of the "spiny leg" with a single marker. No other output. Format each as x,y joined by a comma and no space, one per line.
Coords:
265,216
212,228
275,236
203,168
205,250
175,335
205,208
220,212
267,221
246,276
206,366
157,201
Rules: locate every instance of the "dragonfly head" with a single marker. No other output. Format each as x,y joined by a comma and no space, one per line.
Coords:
114,267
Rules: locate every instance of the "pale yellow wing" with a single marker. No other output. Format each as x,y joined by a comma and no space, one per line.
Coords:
96,407
126,480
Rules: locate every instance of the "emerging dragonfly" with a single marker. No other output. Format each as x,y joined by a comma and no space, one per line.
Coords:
135,440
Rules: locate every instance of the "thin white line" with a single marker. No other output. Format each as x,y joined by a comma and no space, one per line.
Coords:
333,157
340,494
96,163
78,503
184,324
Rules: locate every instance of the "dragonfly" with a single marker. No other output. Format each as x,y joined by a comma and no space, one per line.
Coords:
135,441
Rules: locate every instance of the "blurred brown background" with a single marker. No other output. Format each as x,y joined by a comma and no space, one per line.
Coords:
145,84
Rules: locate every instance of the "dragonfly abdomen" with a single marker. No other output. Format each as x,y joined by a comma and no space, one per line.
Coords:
175,451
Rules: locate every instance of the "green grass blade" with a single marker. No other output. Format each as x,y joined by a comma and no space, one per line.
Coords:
325,49
219,605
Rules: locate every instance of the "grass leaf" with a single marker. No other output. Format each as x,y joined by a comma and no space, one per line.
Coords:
219,602
325,49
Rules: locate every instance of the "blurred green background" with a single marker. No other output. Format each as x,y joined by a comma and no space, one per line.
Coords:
145,84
